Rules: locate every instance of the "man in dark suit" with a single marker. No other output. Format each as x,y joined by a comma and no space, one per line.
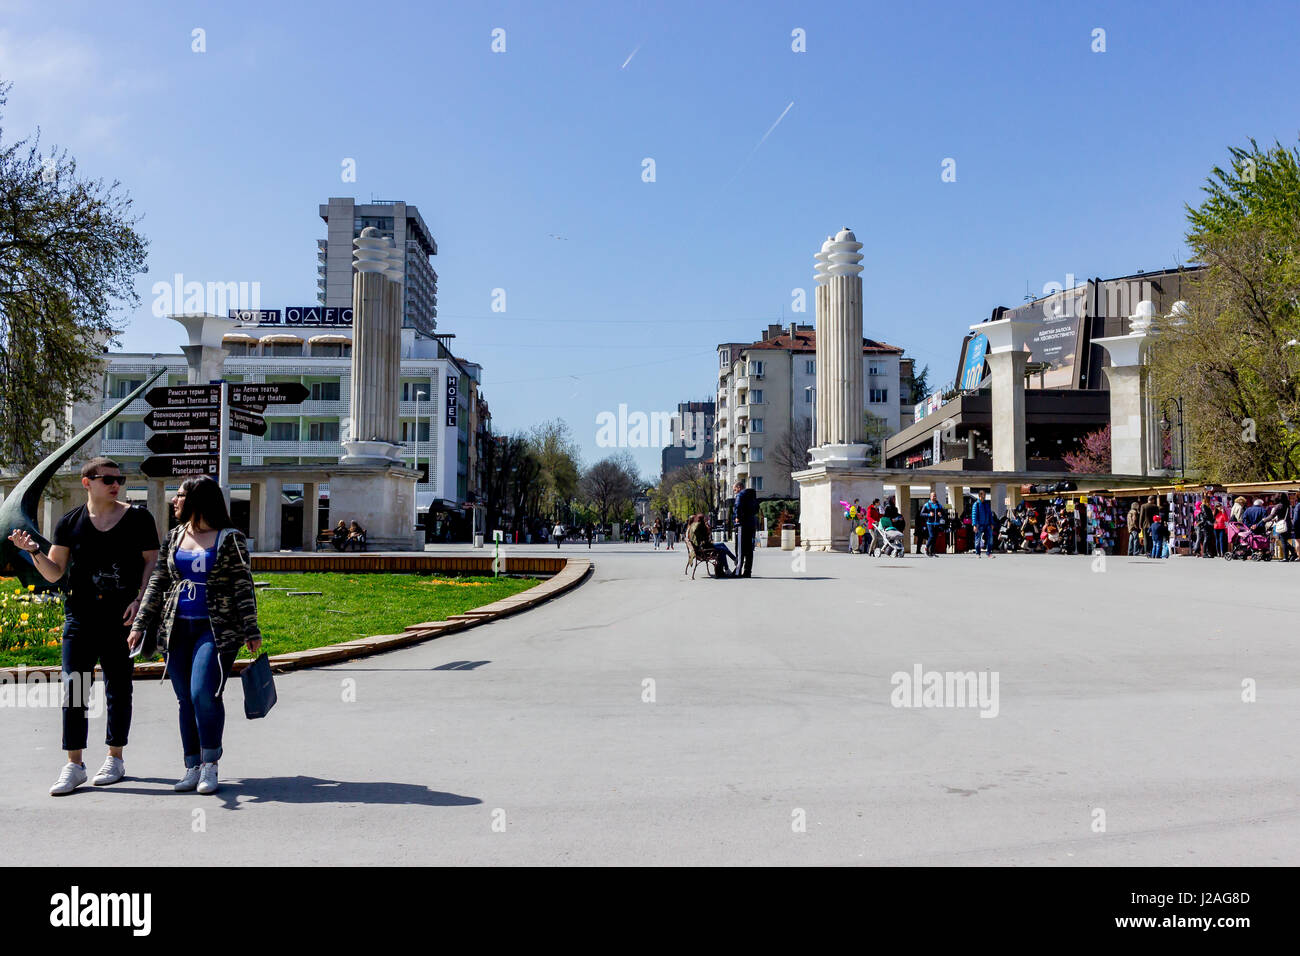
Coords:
746,511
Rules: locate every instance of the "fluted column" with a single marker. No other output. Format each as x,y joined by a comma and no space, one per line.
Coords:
376,352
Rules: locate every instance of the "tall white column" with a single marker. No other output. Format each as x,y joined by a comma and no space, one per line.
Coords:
841,434
1007,359
1134,448
376,353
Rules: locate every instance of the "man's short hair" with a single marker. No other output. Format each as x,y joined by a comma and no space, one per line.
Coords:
91,468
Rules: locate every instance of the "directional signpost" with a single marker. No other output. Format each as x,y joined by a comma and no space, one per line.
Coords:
193,424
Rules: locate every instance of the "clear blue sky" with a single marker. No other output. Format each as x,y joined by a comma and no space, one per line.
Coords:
1067,161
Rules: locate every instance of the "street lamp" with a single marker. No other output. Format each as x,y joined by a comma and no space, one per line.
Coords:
1166,424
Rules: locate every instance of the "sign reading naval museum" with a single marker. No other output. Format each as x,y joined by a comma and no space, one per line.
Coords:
296,316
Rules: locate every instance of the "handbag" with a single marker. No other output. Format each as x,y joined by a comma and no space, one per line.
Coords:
259,688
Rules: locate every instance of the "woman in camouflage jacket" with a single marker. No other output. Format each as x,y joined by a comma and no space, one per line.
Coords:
201,598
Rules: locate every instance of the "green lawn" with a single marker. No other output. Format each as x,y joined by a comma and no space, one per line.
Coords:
350,606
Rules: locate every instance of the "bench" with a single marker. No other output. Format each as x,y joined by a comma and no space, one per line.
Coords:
694,559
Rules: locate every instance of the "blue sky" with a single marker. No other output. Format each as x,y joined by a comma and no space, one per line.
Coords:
1067,161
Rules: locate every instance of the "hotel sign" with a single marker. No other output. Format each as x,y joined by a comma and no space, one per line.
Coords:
298,316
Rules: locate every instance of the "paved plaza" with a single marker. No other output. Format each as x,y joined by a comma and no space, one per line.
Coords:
770,739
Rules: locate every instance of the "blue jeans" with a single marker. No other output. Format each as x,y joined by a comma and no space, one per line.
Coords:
984,534
198,674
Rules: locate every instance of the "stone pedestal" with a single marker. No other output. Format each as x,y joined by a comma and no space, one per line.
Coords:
380,500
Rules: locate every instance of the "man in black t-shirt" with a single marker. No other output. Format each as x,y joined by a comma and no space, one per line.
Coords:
108,551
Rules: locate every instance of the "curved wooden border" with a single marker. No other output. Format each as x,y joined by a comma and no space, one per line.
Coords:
573,573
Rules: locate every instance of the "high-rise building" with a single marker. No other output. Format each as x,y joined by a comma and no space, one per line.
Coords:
766,391
344,220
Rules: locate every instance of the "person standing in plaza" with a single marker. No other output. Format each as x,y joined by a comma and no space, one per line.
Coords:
201,599
111,549
981,519
935,518
746,511
1149,511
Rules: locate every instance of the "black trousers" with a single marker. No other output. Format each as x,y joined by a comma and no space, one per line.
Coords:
90,639
745,562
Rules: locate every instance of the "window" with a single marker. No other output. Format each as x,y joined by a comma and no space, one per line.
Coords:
756,396
323,431
812,366
878,396
756,425
756,368
125,431
331,349
756,454
325,391
408,432
281,431
756,483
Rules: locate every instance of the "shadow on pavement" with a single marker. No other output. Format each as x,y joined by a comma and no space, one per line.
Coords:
316,790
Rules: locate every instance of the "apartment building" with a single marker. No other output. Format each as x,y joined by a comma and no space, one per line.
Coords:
766,395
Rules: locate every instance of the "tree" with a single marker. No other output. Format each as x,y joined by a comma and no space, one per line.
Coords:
1229,357
560,465
920,384
609,486
1093,458
68,252
790,453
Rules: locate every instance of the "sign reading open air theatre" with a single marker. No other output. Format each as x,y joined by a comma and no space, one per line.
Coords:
295,316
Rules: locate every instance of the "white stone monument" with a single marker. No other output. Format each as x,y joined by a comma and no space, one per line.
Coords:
839,470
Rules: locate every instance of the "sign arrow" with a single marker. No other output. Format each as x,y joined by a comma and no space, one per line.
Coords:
176,466
184,443
247,422
183,419
268,393
183,396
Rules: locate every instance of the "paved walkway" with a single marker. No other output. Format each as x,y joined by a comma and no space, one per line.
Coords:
1118,691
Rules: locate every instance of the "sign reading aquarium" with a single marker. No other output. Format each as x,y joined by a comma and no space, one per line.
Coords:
298,316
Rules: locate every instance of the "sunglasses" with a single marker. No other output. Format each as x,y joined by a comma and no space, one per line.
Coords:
110,479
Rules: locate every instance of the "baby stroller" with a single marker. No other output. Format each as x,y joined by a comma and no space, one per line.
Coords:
1246,545
891,541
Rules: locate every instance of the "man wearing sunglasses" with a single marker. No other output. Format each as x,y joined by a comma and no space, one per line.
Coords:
112,549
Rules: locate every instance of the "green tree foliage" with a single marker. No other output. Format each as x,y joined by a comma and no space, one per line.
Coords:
68,252
1229,357
560,465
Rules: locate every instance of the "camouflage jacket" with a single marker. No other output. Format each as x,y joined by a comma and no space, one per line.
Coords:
232,606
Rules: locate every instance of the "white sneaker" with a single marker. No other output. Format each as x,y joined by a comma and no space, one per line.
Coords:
72,776
189,781
112,771
208,778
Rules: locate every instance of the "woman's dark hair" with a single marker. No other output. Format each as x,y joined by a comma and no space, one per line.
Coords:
204,501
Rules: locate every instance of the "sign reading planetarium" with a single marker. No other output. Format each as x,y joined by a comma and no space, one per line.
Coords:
311,316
